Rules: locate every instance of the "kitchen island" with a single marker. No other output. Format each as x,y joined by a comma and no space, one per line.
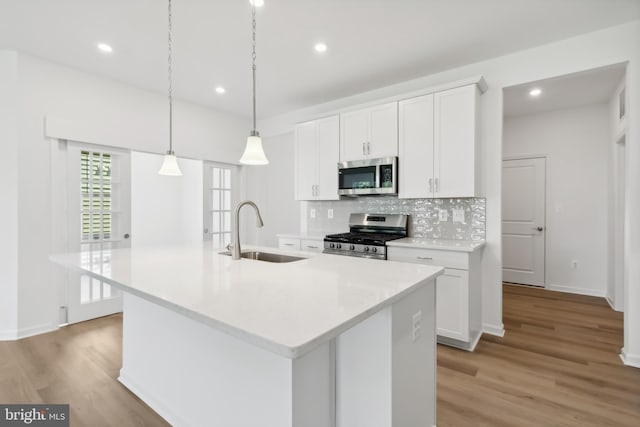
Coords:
324,341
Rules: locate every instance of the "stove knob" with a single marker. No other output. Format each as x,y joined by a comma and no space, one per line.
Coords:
374,249
352,247
366,248
339,245
332,245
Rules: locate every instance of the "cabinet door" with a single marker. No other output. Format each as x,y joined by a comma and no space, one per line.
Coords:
311,245
306,160
452,304
288,243
455,142
416,148
328,157
383,131
353,135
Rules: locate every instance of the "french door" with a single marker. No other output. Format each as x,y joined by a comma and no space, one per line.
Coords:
99,221
220,190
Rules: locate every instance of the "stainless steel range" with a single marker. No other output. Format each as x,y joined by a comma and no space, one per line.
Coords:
368,234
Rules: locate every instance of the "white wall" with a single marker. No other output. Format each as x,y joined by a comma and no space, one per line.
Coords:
165,209
86,108
576,143
271,187
8,196
610,46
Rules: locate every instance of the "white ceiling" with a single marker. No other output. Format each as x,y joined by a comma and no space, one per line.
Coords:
372,43
572,90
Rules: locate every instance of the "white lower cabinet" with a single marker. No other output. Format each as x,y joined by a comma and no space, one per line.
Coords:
308,244
458,293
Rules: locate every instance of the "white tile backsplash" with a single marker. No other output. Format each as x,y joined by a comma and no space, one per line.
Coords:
424,214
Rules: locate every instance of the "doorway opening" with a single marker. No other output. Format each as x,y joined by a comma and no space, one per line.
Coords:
561,195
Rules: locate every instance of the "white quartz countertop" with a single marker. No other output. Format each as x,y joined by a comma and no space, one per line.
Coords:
286,308
441,244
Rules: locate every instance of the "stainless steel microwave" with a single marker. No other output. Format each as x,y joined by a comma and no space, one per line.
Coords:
368,177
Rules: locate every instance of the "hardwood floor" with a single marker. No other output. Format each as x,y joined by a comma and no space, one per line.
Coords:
557,365
79,365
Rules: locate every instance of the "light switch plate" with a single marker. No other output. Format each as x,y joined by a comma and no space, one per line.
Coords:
443,215
458,215
329,213
312,212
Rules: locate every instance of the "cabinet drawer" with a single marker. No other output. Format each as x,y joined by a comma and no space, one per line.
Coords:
291,244
310,245
448,259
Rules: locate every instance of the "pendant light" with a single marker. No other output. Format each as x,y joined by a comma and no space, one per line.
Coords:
253,152
170,164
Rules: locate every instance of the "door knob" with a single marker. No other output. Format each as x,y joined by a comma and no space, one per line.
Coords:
540,228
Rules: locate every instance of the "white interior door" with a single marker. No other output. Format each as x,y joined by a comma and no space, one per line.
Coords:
99,218
523,220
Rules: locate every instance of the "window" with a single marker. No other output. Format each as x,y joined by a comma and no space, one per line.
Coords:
218,187
98,217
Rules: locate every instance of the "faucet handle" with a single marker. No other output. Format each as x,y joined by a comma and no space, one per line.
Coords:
229,247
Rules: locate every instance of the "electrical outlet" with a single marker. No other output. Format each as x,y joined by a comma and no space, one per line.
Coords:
329,213
443,215
417,325
458,215
312,212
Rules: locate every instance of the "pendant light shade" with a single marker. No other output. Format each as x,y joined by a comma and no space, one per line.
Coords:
170,165
253,151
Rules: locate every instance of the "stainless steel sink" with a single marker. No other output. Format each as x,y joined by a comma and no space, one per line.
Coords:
265,256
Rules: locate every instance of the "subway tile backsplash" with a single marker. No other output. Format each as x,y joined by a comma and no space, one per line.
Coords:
465,217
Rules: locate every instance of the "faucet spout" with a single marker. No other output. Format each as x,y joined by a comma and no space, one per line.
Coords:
236,235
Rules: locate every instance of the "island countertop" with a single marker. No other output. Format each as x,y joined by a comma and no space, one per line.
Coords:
286,308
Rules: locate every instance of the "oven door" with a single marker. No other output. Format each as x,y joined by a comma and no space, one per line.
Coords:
366,177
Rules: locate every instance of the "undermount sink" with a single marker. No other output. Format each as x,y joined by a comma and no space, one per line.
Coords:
265,256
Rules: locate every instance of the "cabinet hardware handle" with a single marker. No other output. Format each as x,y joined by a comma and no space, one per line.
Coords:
430,185
368,148
312,247
436,185
539,228
426,258
287,244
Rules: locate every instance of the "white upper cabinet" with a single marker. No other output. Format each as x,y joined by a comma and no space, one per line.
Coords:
369,133
416,148
438,144
317,146
456,169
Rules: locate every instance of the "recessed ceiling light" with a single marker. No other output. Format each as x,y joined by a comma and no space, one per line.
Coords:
220,90
105,47
257,3
320,47
535,92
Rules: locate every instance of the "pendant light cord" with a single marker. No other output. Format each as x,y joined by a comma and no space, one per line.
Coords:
170,88
253,57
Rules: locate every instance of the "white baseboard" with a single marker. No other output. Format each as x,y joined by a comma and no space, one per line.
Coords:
579,291
161,408
9,335
17,334
630,359
36,330
612,305
497,330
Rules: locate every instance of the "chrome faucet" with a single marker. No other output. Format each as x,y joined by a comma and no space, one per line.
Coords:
236,235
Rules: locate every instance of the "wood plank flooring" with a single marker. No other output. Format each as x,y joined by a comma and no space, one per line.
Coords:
557,365
79,365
